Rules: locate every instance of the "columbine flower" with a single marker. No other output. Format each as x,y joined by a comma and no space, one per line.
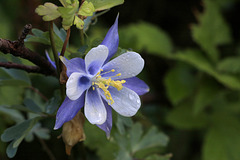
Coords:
100,85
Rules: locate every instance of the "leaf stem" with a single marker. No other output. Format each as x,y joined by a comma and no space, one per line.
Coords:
54,49
65,42
56,59
82,37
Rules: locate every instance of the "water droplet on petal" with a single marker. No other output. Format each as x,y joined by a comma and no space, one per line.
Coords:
138,101
131,96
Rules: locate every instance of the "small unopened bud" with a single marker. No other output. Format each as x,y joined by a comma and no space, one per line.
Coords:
73,132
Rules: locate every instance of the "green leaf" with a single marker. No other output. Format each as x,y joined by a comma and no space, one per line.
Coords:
11,95
86,9
135,134
98,138
31,105
43,37
68,14
122,123
158,157
123,154
222,141
18,74
105,4
48,11
13,82
38,36
146,37
11,151
179,83
196,59
182,117
15,115
61,33
78,22
207,91
16,132
212,30
53,104
152,138
134,141
18,141
230,65
64,3
40,132
15,78
108,151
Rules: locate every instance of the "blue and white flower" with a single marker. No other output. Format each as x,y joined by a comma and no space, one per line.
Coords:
100,85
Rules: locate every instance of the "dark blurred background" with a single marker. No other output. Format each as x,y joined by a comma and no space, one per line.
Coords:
173,16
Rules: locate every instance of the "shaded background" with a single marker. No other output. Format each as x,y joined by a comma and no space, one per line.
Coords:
175,18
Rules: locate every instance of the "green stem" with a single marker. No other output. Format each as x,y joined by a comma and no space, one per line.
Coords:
56,59
82,37
54,49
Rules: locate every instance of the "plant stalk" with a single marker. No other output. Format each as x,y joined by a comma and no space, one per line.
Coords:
56,59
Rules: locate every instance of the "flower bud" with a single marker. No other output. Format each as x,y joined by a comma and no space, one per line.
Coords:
73,132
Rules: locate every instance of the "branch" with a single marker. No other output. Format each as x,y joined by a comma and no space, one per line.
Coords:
29,69
17,48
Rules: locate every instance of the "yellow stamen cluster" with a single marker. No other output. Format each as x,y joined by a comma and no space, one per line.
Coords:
105,83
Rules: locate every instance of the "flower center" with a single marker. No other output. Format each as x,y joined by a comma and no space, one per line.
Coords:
84,80
105,82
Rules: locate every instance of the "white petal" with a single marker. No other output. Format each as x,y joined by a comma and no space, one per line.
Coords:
128,64
76,84
126,101
95,59
94,108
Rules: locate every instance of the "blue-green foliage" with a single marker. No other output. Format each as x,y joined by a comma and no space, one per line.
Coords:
202,84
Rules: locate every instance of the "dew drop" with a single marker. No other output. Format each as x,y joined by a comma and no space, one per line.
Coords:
138,101
131,96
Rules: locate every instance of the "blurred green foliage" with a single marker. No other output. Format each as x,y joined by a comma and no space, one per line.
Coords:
195,101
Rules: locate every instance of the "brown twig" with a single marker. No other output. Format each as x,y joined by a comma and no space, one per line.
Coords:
63,75
39,93
29,69
17,48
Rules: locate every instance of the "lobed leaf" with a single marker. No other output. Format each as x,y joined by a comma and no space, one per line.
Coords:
49,11
86,9
78,22
16,132
212,30
105,4
152,138
68,14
